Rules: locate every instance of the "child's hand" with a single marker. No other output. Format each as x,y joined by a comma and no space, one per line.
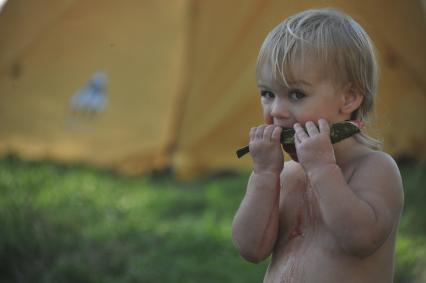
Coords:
265,149
313,146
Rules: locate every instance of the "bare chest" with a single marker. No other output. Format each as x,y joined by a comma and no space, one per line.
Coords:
306,251
300,213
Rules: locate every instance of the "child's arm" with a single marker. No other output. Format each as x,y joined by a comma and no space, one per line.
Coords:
362,214
255,226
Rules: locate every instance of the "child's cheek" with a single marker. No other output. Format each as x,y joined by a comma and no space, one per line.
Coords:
267,115
302,120
268,119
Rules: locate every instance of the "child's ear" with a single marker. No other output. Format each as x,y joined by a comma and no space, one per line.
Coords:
351,100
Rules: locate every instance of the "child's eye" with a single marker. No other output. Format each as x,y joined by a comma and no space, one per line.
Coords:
267,94
295,94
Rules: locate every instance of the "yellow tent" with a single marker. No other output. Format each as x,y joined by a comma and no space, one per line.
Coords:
181,83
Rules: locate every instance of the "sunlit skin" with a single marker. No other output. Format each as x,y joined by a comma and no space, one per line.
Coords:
332,216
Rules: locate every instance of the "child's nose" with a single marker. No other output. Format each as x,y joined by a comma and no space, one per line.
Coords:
280,109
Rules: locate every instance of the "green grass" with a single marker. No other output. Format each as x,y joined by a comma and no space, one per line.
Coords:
411,241
78,224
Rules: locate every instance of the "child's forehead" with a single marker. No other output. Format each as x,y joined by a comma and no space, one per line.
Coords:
304,71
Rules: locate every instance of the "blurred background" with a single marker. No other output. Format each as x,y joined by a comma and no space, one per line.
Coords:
120,121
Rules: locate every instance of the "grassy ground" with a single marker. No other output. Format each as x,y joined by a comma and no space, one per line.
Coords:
78,224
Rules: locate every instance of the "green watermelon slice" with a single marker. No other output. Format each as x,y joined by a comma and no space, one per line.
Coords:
338,132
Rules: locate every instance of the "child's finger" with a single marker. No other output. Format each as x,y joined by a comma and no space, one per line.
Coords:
300,132
296,140
311,128
259,132
252,133
324,127
267,133
276,134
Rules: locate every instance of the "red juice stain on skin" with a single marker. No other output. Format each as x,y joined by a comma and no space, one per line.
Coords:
297,229
304,219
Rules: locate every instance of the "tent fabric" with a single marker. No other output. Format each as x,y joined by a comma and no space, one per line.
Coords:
50,50
181,83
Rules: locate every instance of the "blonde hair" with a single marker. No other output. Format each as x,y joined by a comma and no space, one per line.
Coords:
343,50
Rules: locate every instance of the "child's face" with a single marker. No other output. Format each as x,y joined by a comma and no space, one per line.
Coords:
308,97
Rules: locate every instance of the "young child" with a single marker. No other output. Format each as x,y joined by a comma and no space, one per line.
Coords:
333,215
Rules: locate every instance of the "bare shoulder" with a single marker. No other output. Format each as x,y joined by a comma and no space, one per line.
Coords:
377,179
378,166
